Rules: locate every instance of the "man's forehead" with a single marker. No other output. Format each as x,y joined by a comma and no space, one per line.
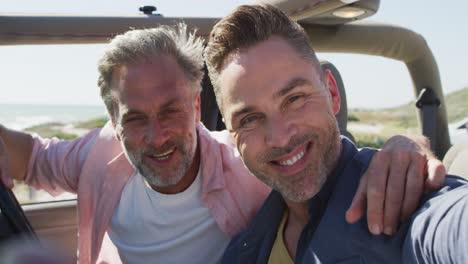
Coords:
256,78
271,63
144,88
155,67
155,77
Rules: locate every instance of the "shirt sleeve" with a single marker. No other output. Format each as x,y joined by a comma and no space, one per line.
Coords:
439,230
55,165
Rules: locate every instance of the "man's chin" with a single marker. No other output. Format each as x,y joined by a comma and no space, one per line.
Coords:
297,197
165,183
163,180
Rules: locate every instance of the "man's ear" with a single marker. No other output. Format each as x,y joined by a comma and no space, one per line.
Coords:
198,108
334,91
117,134
113,120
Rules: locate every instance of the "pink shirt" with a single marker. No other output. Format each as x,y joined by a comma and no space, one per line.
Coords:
95,167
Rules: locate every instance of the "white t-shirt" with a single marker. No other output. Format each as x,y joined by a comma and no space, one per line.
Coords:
151,227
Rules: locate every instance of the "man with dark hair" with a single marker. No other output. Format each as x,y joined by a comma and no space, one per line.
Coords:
280,108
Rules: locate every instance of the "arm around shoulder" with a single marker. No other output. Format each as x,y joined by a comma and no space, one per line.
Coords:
56,165
439,230
50,164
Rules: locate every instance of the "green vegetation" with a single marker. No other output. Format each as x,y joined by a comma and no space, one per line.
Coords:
401,119
51,130
54,129
352,118
457,105
369,140
397,117
93,123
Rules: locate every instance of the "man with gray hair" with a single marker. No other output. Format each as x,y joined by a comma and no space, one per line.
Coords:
153,185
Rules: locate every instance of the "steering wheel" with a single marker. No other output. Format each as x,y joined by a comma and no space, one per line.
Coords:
14,214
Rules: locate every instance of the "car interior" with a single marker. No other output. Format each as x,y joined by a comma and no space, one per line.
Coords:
334,26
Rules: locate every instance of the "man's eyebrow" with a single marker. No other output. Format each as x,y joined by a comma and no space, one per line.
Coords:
134,111
170,102
127,112
296,82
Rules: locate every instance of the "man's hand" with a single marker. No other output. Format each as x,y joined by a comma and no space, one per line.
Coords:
393,184
15,150
4,170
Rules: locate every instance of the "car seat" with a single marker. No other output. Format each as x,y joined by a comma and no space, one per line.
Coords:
456,158
210,115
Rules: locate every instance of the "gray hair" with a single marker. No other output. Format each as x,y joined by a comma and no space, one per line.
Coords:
144,44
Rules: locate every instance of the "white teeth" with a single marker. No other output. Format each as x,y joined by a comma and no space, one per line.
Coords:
163,156
293,160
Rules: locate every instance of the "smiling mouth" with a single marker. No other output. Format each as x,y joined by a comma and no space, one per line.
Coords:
162,156
294,160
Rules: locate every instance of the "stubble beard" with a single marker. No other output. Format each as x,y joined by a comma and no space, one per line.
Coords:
309,181
167,176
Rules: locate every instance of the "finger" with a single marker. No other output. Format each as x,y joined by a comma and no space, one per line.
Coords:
414,186
376,186
436,175
395,190
358,205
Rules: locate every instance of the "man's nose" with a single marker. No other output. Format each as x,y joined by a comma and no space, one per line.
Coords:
156,133
279,131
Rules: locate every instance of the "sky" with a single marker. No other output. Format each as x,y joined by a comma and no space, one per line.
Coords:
61,74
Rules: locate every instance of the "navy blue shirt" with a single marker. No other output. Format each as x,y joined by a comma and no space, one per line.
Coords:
328,238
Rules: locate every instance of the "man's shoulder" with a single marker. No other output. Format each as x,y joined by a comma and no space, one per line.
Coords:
439,229
364,156
102,145
106,142
354,161
361,155
218,137
453,187
219,151
255,241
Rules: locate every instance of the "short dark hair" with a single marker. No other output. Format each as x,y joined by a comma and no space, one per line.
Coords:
245,27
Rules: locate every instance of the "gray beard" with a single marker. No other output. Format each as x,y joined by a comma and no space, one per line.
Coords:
153,176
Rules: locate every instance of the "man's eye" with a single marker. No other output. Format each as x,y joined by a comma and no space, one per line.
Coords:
133,119
294,98
170,111
249,121
295,101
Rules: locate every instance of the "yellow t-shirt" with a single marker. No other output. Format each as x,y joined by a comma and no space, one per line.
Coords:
279,253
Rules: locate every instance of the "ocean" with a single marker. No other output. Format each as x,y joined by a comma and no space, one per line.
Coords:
21,116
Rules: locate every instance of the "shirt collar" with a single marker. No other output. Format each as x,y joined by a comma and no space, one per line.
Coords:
327,189
211,161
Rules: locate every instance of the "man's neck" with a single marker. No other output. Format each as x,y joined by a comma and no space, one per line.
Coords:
298,217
